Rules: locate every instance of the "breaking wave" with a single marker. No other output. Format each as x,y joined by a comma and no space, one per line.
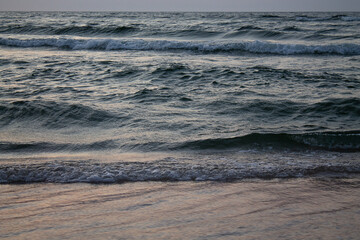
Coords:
262,47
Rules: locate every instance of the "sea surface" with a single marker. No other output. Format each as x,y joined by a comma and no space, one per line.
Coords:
180,100
114,97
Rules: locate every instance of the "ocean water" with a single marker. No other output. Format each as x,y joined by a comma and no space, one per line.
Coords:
116,97
187,125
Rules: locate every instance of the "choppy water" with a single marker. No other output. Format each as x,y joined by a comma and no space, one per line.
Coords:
192,96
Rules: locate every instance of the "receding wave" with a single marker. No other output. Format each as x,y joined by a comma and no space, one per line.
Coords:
333,141
168,169
52,114
262,47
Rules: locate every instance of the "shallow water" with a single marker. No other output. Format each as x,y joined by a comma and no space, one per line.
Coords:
287,209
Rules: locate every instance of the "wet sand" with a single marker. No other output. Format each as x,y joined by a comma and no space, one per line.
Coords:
310,208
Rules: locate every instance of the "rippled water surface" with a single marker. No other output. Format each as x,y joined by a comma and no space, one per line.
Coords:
179,125
178,96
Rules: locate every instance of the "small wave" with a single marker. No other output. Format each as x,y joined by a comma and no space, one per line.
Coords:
75,30
312,19
169,169
292,29
333,141
151,96
249,27
335,106
170,68
350,18
329,18
339,107
68,30
270,16
262,47
53,115
36,147
258,33
190,33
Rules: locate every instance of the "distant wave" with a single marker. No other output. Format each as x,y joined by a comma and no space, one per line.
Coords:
345,18
262,47
168,169
69,30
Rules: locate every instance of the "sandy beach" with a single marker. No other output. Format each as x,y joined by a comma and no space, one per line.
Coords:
312,208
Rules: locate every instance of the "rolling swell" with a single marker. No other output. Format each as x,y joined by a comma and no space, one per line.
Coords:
53,114
259,47
332,141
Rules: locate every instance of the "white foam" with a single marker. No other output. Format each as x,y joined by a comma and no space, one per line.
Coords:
167,171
